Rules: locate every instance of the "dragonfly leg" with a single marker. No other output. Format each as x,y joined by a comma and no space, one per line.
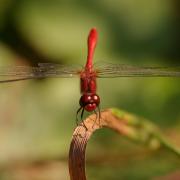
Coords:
82,112
77,120
98,116
95,119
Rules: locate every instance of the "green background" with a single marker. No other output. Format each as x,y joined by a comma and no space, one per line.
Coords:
37,117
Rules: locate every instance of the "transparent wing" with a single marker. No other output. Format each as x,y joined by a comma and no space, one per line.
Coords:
121,70
43,70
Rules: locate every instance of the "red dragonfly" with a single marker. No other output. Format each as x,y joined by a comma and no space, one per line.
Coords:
89,100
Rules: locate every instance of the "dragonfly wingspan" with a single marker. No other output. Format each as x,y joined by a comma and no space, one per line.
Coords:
43,70
120,70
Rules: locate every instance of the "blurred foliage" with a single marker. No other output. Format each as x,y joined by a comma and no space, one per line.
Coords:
38,116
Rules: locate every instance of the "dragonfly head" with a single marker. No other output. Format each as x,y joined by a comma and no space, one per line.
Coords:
89,102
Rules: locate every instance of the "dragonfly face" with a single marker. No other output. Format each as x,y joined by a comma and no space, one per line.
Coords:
89,102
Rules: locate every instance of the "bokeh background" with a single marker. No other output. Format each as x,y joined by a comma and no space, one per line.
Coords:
37,117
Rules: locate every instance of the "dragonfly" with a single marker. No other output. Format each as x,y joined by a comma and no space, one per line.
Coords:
89,100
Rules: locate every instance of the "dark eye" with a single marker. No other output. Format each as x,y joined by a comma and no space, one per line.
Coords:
96,99
84,100
89,101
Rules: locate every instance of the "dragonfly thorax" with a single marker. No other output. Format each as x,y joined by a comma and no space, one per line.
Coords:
89,101
88,83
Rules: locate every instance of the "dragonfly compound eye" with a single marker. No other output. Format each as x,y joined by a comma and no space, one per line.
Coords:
96,99
89,101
